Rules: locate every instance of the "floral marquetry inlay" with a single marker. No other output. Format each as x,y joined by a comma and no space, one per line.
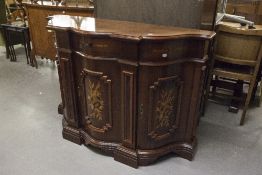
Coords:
96,103
165,100
97,108
165,108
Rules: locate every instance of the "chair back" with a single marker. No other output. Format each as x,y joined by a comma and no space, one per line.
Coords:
238,45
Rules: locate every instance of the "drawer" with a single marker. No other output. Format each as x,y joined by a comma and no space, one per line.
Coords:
170,50
104,46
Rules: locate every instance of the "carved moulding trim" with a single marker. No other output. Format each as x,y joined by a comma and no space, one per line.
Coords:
176,61
163,110
107,147
70,133
97,98
99,58
67,88
128,107
183,149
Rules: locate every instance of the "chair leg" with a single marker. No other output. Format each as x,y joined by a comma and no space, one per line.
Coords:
207,90
248,98
214,88
7,52
238,92
13,53
260,93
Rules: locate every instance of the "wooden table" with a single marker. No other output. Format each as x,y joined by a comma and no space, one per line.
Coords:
42,40
130,89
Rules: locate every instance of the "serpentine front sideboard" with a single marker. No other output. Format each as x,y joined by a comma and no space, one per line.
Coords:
130,89
42,40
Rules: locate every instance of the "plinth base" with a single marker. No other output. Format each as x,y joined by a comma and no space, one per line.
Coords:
131,157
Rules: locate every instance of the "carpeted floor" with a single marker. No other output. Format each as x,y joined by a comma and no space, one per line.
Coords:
31,142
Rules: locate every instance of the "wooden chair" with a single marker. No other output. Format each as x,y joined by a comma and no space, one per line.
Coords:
237,56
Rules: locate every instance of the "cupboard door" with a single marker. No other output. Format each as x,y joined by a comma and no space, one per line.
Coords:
164,114
99,97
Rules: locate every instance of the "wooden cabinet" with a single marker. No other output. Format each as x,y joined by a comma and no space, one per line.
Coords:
130,89
42,39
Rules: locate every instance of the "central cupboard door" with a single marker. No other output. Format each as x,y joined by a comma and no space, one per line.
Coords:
99,98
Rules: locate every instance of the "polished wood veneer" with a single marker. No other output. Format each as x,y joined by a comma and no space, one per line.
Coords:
132,90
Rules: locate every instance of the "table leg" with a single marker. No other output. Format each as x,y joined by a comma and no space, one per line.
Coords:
25,45
33,59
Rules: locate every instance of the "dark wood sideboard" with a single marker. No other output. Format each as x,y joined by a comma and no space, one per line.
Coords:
132,90
42,40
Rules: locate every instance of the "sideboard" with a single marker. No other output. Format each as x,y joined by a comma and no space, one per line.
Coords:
132,90
42,39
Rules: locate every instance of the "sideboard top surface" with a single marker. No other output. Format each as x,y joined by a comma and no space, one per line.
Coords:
124,29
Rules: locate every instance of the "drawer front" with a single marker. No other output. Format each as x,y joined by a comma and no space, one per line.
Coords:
105,47
170,50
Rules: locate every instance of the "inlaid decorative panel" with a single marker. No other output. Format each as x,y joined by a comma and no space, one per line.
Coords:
97,97
165,100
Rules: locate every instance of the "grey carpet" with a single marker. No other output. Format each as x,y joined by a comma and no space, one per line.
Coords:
31,142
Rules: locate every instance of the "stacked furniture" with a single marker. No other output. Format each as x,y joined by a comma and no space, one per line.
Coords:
43,40
14,35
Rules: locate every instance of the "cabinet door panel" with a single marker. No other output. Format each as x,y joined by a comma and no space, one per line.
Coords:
164,96
99,97
164,107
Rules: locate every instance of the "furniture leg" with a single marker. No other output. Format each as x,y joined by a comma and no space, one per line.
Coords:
238,91
249,94
7,52
60,109
29,51
260,100
5,41
207,89
33,59
214,87
25,46
258,79
7,45
12,51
